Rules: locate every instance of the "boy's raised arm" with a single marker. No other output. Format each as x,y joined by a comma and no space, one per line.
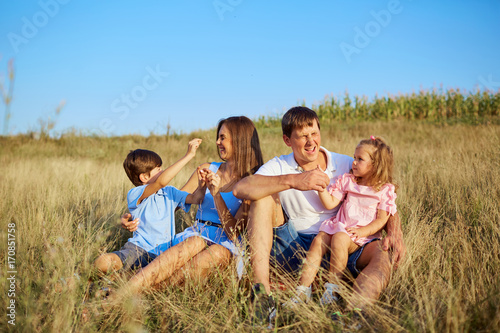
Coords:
169,173
198,195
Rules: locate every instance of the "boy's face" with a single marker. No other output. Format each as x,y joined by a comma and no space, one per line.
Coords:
153,175
305,143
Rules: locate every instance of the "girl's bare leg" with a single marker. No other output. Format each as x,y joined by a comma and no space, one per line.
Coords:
166,264
202,265
314,256
341,245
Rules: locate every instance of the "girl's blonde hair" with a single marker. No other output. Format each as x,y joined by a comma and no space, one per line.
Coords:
382,162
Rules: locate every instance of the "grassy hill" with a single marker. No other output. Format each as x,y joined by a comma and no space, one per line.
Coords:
62,199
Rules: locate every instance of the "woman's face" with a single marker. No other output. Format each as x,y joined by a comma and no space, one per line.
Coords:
225,143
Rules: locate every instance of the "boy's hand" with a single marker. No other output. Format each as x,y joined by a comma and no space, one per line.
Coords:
130,225
193,145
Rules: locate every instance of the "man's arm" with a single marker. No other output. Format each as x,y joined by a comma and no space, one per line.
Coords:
394,239
256,187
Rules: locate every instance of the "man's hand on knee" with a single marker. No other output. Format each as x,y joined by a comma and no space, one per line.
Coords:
394,244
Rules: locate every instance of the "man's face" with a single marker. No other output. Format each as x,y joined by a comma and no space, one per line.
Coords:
305,143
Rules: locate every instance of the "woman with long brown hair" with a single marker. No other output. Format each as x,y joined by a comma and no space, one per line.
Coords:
213,239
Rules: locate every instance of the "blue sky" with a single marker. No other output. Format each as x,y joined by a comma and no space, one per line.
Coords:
135,67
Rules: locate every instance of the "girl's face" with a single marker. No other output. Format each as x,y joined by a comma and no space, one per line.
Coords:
225,143
362,164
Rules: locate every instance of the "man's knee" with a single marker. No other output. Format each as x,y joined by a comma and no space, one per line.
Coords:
267,210
376,258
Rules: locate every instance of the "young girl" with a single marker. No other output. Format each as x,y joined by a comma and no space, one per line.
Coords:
369,198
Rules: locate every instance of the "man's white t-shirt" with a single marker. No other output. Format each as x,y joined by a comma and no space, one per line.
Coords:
304,208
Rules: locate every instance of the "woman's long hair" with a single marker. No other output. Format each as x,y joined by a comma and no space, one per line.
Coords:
246,146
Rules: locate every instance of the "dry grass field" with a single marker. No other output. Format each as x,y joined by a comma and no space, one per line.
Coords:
62,199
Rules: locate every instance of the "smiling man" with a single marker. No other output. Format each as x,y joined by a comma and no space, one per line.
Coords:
286,214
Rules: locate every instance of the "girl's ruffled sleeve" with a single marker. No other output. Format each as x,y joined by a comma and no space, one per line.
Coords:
337,187
388,199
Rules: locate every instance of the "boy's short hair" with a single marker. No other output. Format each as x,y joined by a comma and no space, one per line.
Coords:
140,161
298,117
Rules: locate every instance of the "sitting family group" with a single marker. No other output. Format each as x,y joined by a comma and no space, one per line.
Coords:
299,212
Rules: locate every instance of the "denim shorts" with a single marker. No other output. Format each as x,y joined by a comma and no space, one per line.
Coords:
290,248
132,256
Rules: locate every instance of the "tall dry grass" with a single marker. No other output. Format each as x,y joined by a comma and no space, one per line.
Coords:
65,197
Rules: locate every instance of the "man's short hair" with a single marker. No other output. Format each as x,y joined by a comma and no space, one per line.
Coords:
298,117
140,161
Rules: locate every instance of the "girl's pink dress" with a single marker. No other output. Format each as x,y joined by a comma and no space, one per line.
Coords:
359,207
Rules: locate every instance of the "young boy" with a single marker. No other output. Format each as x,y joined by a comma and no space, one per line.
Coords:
154,203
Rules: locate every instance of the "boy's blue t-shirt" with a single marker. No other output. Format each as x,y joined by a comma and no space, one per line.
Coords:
156,215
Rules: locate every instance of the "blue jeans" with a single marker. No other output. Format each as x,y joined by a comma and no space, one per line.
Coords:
290,248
